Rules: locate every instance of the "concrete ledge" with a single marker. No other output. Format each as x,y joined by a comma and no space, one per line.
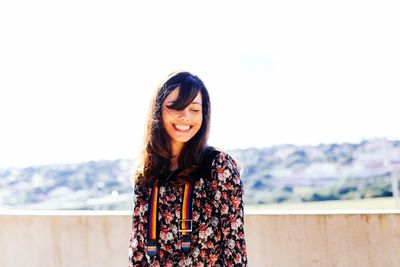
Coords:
287,238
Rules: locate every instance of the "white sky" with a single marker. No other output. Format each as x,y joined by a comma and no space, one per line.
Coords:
76,76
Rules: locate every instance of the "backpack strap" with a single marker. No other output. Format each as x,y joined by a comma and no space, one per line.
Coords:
152,220
185,223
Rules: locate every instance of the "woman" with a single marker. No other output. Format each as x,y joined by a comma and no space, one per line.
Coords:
188,208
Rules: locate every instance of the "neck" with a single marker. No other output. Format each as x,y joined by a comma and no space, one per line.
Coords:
176,150
173,164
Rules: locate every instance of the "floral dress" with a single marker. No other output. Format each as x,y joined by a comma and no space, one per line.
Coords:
217,213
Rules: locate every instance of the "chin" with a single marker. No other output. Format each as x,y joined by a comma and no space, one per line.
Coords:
183,141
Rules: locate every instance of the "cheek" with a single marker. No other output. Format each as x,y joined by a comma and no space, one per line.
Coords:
200,122
164,118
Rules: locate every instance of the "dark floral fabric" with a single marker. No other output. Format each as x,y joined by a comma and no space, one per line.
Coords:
218,233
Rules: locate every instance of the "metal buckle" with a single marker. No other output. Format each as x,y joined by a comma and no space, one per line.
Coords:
185,230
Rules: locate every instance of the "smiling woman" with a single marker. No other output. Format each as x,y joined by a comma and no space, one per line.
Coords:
188,196
180,102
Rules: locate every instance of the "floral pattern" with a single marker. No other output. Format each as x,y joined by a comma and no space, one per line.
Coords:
218,232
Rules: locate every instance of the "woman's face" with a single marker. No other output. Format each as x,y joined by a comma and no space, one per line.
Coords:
182,125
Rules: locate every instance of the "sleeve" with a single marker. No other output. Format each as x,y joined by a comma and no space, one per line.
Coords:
230,193
137,252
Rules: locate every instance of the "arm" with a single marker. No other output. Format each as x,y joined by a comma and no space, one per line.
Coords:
137,253
231,192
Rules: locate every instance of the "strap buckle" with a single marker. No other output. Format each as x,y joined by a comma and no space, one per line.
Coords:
186,242
152,247
185,230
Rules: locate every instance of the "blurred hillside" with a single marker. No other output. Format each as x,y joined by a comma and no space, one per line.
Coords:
282,173
288,173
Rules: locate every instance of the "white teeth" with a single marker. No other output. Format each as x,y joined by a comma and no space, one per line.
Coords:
182,127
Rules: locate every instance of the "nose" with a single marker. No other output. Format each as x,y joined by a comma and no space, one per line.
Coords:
184,115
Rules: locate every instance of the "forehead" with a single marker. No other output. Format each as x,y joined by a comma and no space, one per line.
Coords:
175,93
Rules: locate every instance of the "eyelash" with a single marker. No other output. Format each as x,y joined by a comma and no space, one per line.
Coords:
194,110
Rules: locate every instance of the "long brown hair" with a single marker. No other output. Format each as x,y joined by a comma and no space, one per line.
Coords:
156,152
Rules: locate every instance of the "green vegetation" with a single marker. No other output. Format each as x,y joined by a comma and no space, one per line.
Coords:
356,189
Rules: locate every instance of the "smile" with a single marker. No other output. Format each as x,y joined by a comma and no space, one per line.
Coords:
182,128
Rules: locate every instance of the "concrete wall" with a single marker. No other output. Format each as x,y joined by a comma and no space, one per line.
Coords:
75,239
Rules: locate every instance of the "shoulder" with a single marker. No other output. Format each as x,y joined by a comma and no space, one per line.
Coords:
140,190
224,182
222,159
225,168
216,161
225,176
